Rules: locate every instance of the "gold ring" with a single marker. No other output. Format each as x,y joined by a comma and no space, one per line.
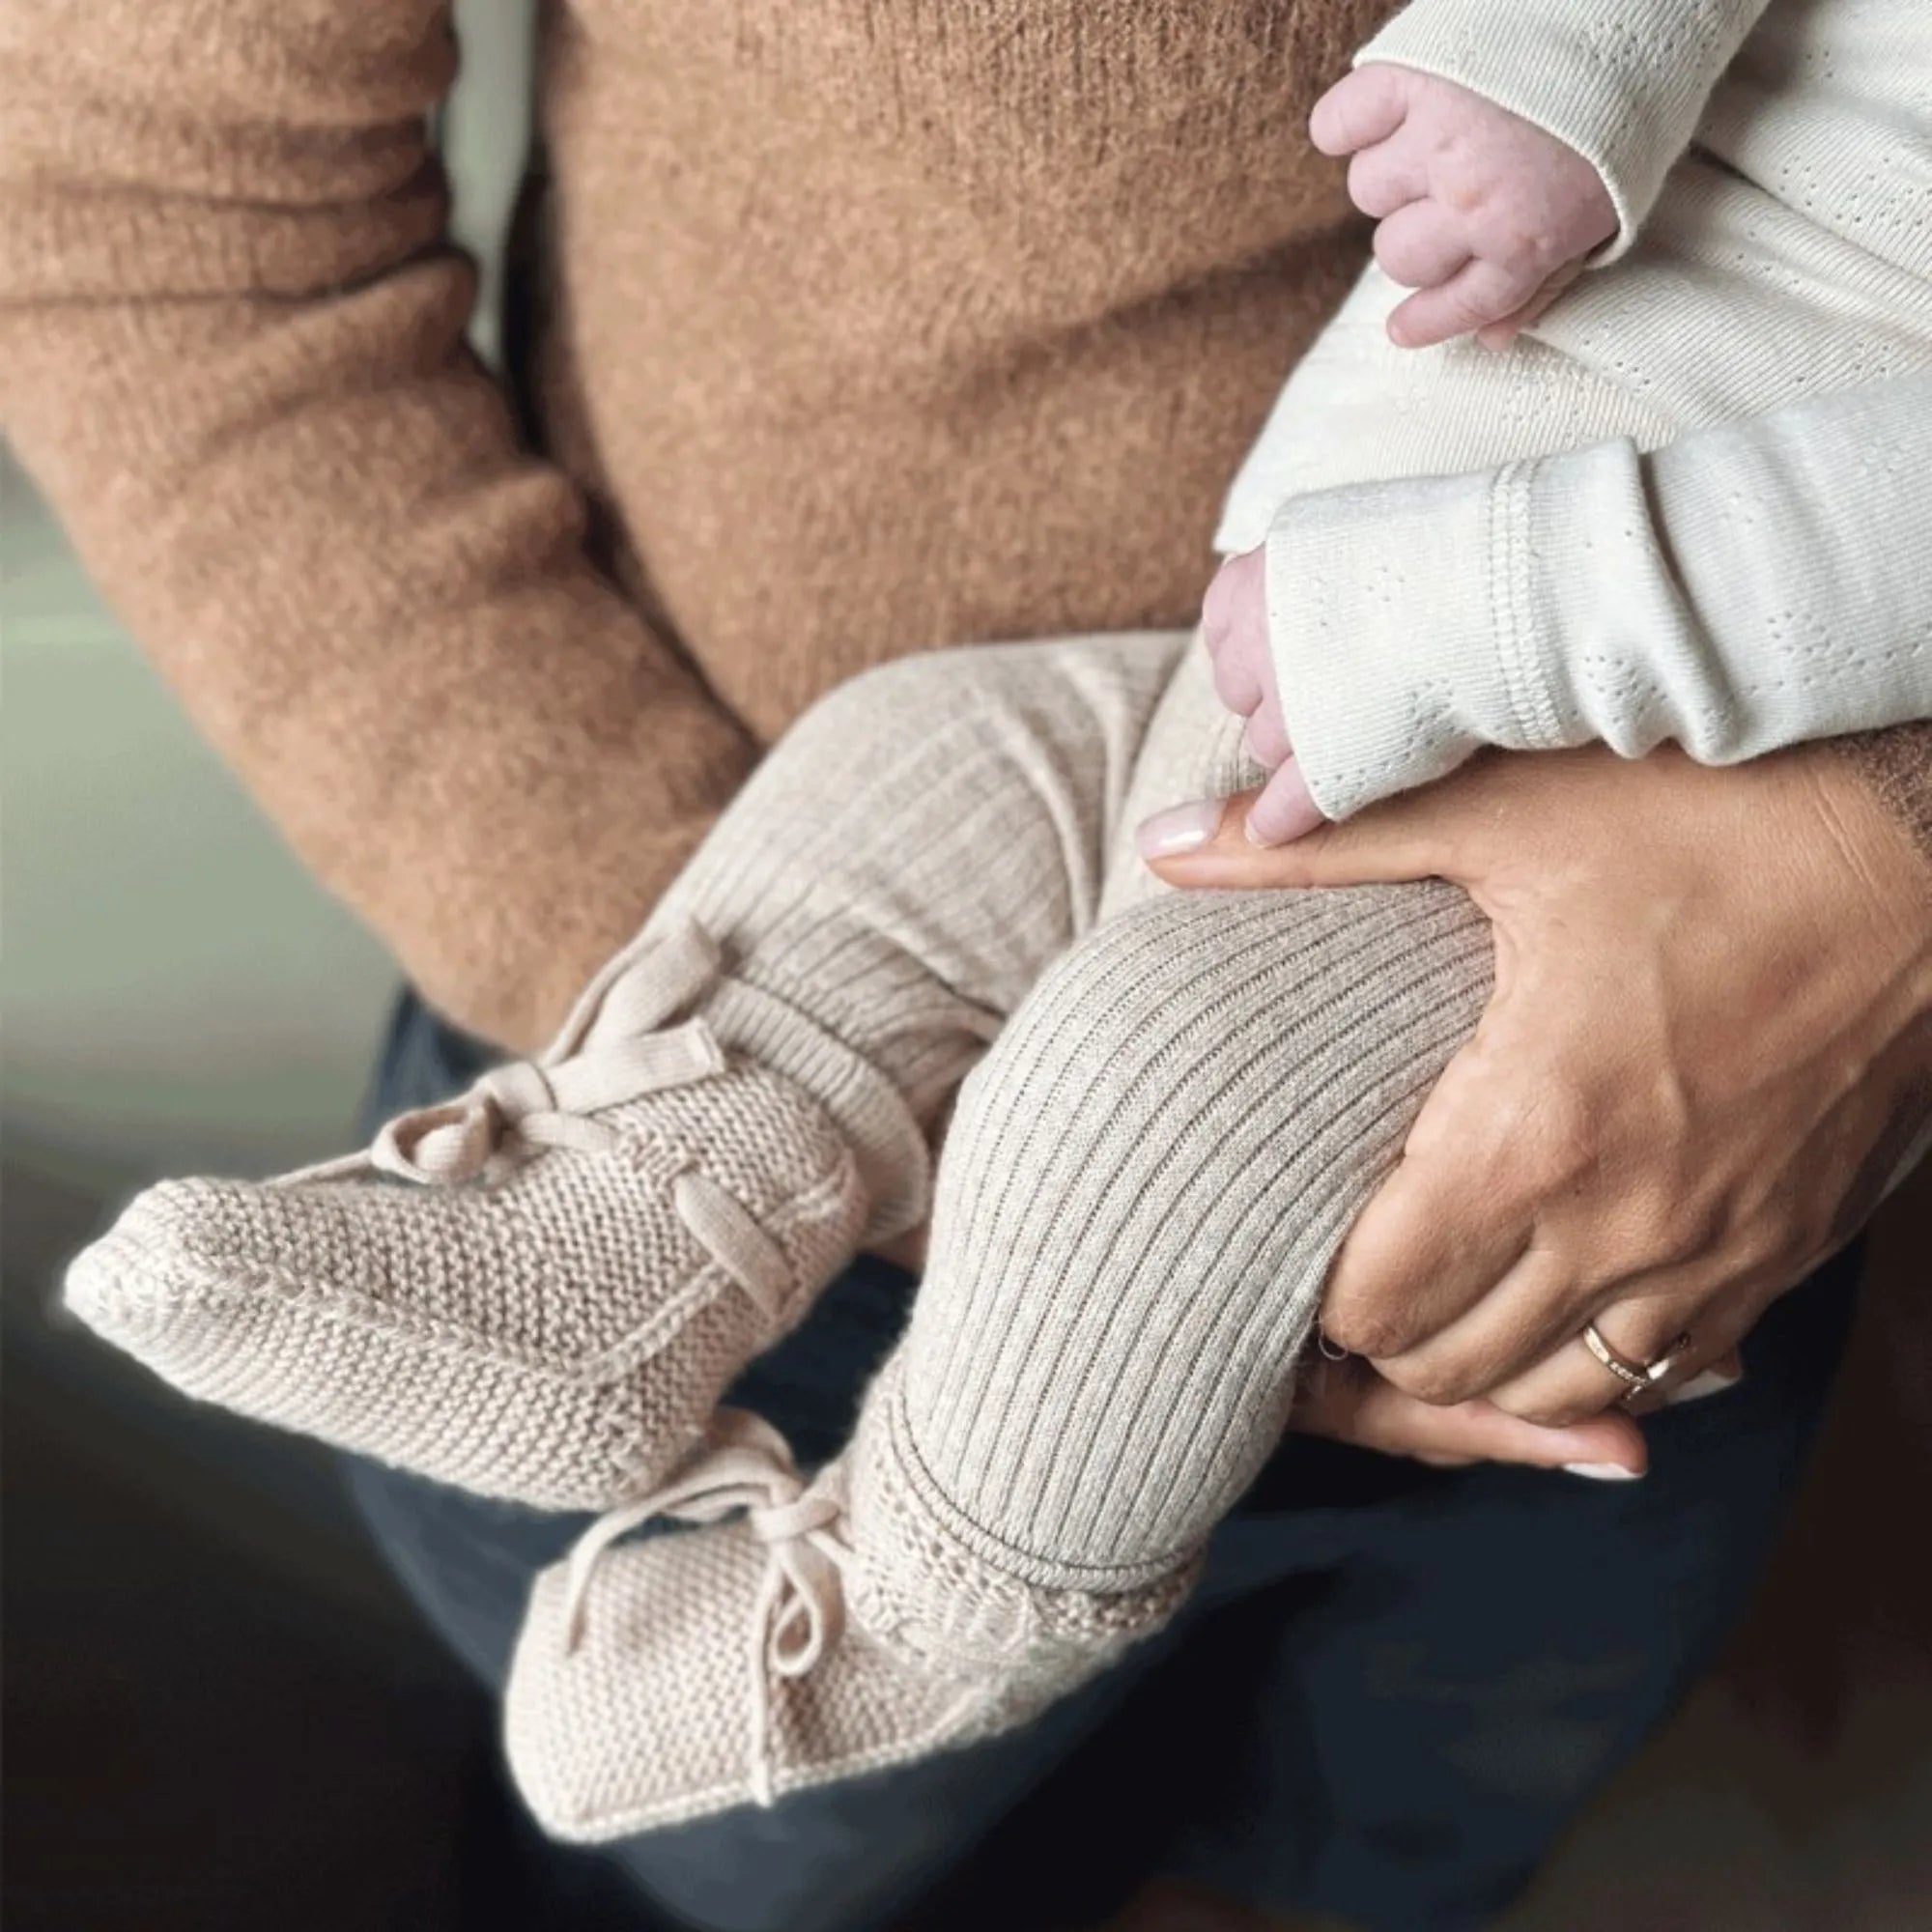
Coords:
1637,1376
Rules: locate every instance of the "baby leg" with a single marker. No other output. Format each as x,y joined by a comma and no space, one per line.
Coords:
595,1244
1144,1183
905,864
1209,1089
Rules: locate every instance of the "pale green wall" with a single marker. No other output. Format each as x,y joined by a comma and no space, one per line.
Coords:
173,991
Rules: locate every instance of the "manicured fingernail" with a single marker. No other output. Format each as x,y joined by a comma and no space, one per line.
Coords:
1602,1472
1181,828
1712,1381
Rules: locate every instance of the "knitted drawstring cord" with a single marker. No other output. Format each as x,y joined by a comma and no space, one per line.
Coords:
617,1046
799,1615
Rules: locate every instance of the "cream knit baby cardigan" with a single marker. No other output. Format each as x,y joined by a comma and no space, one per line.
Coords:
1555,565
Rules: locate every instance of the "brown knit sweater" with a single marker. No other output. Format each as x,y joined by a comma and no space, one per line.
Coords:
868,328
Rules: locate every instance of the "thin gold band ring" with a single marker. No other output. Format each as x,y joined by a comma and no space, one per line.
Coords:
1637,1376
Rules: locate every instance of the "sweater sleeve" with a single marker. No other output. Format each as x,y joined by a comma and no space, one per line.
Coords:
1743,588
1622,82
232,353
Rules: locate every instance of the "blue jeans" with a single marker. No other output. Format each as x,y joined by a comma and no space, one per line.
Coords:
1394,1688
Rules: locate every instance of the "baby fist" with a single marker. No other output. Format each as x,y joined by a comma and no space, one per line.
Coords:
1481,211
1233,626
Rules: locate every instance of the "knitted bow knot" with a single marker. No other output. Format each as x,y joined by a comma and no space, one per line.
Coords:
536,1105
615,1047
799,1615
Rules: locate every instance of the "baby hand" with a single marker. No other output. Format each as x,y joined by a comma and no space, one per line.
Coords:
1480,210
1233,626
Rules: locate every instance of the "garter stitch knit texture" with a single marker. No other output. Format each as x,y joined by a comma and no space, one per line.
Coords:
595,1244
635,1701
587,1252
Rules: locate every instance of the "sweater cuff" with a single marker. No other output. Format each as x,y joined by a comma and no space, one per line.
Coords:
1383,629
1896,765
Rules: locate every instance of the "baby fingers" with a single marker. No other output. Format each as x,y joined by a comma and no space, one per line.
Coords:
1500,334
1421,246
1267,734
1387,177
1283,809
1234,627
1480,294
1361,108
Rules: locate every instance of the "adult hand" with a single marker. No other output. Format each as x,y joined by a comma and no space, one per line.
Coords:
1710,1043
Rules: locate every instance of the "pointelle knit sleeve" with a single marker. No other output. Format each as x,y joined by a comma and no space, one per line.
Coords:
1747,587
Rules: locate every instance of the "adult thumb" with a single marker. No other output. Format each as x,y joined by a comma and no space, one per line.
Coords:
1206,843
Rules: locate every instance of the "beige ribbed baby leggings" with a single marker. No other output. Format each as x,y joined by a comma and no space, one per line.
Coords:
1186,1099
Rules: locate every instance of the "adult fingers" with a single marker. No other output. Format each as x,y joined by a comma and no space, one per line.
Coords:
1521,1344
1571,1383
1420,247
1347,1402
1451,1220
1202,844
1361,108
1518,1342
1479,1322
1426,1249
1713,1378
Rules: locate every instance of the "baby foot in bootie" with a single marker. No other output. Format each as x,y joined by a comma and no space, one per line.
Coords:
592,1245
823,1632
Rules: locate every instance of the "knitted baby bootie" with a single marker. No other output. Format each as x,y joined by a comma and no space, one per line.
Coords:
591,1247
801,1635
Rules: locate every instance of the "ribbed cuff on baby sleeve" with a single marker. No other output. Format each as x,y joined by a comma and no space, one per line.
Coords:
1383,627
